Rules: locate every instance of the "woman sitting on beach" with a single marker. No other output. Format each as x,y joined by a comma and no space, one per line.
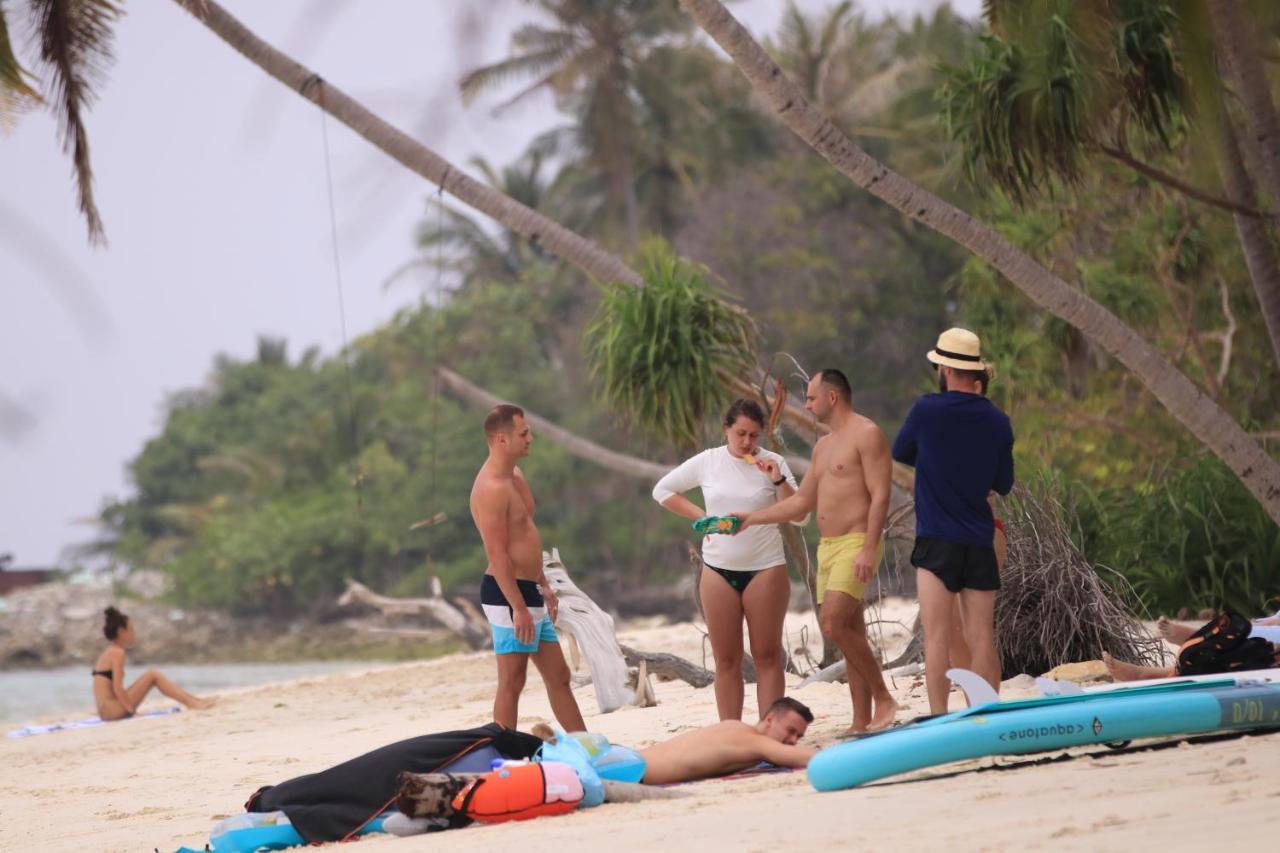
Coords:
115,701
745,574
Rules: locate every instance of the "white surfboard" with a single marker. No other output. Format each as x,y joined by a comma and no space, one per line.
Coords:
1051,687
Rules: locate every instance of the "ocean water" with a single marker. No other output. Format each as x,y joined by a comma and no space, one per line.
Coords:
28,695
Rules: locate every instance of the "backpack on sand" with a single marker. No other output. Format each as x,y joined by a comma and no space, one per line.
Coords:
1223,644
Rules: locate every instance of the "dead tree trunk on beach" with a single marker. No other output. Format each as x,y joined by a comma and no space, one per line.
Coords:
459,617
592,630
588,630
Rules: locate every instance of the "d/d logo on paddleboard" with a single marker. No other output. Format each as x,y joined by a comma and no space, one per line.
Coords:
1097,727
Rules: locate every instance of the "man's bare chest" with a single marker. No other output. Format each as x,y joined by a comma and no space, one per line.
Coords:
841,462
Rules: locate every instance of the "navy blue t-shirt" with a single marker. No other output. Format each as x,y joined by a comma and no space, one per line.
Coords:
962,448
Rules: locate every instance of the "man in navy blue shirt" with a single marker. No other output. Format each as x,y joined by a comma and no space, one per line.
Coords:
962,448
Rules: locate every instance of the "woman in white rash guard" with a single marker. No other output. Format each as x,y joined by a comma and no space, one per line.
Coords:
745,574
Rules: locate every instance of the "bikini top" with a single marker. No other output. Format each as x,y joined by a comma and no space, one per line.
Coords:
105,673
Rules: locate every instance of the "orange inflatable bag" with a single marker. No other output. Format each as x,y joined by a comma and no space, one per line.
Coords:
520,792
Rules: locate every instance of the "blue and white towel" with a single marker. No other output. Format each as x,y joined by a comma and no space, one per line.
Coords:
27,731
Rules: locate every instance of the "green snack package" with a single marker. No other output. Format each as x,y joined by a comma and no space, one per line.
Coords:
718,524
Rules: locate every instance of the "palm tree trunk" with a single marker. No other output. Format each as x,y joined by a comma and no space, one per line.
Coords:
1239,50
1185,401
582,253
1255,238
583,448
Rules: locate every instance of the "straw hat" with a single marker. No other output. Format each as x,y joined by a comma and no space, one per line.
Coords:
958,348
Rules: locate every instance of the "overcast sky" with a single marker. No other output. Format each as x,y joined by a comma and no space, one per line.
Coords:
211,182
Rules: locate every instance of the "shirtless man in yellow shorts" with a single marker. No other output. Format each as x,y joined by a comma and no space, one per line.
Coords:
848,483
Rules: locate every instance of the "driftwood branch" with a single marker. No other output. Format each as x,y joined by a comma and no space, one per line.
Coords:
831,672
913,653
620,463
476,635
431,794
592,630
669,667
1227,336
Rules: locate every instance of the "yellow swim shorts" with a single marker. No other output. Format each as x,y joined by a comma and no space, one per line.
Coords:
835,565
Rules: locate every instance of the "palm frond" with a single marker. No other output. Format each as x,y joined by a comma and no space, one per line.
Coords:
75,46
658,352
486,169
16,92
835,23
552,80
257,470
880,91
795,33
1022,117
531,38
500,73
1152,83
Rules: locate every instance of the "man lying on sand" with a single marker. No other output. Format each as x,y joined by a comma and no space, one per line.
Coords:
732,746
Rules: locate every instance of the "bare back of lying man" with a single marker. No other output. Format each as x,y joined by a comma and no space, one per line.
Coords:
514,593
732,746
848,483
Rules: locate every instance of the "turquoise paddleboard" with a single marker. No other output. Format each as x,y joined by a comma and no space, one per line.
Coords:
1035,725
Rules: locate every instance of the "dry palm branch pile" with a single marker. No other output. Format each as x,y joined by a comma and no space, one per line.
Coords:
1053,607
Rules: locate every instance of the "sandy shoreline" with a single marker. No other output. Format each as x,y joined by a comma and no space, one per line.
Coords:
164,782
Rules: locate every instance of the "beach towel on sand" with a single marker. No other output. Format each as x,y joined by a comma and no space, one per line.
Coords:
329,805
28,731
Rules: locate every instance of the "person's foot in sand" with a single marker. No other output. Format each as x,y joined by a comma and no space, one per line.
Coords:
886,712
1174,632
1121,671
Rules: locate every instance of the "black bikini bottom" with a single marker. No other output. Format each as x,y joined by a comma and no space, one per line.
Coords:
737,580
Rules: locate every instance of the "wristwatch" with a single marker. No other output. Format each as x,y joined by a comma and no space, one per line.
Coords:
780,481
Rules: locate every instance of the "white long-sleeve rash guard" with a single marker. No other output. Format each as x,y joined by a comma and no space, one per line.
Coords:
730,485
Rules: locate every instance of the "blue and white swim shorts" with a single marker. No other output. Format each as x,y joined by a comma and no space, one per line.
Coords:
498,612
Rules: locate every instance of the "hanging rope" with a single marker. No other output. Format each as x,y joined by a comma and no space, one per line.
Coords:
437,323
357,478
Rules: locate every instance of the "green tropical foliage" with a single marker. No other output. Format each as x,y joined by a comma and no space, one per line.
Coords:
267,487
659,352
277,479
1056,79
1050,110
587,57
1187,537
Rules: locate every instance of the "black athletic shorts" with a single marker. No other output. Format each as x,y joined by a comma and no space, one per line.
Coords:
958,566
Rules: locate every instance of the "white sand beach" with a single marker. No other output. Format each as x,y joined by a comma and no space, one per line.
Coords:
161,783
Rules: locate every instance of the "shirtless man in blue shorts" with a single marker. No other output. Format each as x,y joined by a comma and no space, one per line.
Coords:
515,595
